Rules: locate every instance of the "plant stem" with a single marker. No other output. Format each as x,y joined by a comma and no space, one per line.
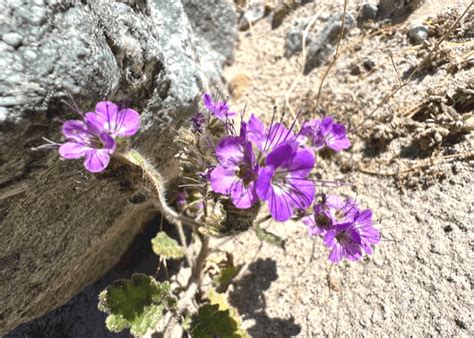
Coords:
200,260
157,181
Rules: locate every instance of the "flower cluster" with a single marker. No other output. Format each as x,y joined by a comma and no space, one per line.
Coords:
347,231
274,164
95,137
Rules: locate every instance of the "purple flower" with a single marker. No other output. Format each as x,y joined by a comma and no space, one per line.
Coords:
344,241
267,140
236,173
369,235
87,142
219,109
94,138
283,181
331,210
116,121
326,132
338,209
181,199
198,121
318,223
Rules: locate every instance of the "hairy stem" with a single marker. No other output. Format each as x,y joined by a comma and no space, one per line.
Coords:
153,176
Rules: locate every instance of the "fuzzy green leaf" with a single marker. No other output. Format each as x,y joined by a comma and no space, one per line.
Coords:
166,247
217,319
219,299
137,304
211,322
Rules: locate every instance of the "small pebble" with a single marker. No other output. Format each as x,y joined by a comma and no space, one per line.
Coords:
13,39
355,70
368,12
418,33
368,65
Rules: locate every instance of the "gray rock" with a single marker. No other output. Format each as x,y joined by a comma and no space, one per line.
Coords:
255,12
396,8
62,228
417,33
368,12
215,27
294,41
323,44
12,38
214,21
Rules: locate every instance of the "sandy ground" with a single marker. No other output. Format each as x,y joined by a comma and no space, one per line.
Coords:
419,280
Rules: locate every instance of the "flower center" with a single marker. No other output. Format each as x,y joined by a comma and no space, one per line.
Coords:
245,173
279,178
342,236
323,221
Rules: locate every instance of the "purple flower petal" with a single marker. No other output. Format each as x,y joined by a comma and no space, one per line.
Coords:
256,132
96,160
302,192
208,102
219,109
281,155
243,196
337,140
280,208
302,163
75,130
104,118
263,185
368,233
344,242
222,179
109,118
340,210
108,142
107,111
72,150
326,132
283,182
128,123
230,151
277,135
337,254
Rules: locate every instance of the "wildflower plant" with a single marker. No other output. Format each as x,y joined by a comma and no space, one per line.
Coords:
232,169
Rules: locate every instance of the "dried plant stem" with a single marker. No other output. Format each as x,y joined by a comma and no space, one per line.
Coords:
423,164
182,239
303,63
428,56
336,54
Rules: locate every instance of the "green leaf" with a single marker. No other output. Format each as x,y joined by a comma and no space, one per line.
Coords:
269,237
211,322
217,319
137,304
225,276
166,247
115,323
216,298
